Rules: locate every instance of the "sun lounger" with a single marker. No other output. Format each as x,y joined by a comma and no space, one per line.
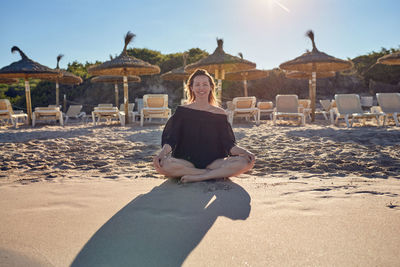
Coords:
244,107
266,107
326,108
107,113
305,107
366,101
288,106
349,108
390,106
74,112
105,105
132,114
155,106
54,106
7,113
46,113
139,106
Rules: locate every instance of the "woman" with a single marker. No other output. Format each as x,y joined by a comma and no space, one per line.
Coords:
200,138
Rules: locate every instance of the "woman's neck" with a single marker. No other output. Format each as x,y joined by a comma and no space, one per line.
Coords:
201,104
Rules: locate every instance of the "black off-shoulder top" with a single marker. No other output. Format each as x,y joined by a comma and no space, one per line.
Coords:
198,136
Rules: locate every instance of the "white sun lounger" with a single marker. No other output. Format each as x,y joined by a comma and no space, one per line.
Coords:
390,106
288,106
349,108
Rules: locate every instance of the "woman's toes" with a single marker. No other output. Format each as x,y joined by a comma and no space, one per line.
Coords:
183,179
187,179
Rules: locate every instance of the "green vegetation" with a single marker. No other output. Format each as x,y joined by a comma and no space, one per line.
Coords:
169,61
79,69
366,67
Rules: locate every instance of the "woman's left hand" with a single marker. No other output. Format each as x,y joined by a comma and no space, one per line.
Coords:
238,151
249,156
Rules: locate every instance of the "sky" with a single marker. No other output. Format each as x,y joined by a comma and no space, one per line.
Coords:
267,32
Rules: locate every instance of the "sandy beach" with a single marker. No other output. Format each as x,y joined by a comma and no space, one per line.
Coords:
83,195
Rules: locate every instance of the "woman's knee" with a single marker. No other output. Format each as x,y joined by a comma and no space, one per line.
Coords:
168,165
172,167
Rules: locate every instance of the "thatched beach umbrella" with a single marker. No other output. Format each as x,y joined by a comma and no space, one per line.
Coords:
245,75
391,59
27,68
8,80
115,80
178,74
66,78
315,62
219,63
125,65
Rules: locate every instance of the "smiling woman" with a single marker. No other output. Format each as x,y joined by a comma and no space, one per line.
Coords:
198,142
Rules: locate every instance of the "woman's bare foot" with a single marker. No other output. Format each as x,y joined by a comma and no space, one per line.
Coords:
196,178
192,178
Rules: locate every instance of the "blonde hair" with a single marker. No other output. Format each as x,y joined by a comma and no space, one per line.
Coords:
212,99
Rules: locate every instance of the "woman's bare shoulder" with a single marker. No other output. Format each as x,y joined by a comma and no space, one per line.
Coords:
218,110
187,105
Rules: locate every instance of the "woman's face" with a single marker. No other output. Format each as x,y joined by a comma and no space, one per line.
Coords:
201,87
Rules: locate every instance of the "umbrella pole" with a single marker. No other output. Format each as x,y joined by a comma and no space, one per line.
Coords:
219,90
57,94
126,103
184,93
220,78
28,101
116,94
313,96
65,103
245,87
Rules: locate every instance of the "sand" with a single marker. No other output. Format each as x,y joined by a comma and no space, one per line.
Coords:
318,195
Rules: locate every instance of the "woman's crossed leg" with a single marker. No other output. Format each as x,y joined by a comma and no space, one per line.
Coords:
220,168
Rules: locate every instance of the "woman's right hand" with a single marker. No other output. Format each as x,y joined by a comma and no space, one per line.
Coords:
157,160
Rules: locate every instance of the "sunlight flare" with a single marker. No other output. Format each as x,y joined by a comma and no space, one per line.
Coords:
281,5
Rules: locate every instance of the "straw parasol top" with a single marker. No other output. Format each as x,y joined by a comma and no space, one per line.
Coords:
26,68
178,74
114,79
307,75
316,61
8,80
221,60
253,74
67,77
124,64
391,59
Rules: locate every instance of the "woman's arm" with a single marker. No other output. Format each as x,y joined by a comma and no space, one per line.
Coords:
239,151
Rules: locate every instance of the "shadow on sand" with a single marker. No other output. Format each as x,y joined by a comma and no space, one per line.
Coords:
162,227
